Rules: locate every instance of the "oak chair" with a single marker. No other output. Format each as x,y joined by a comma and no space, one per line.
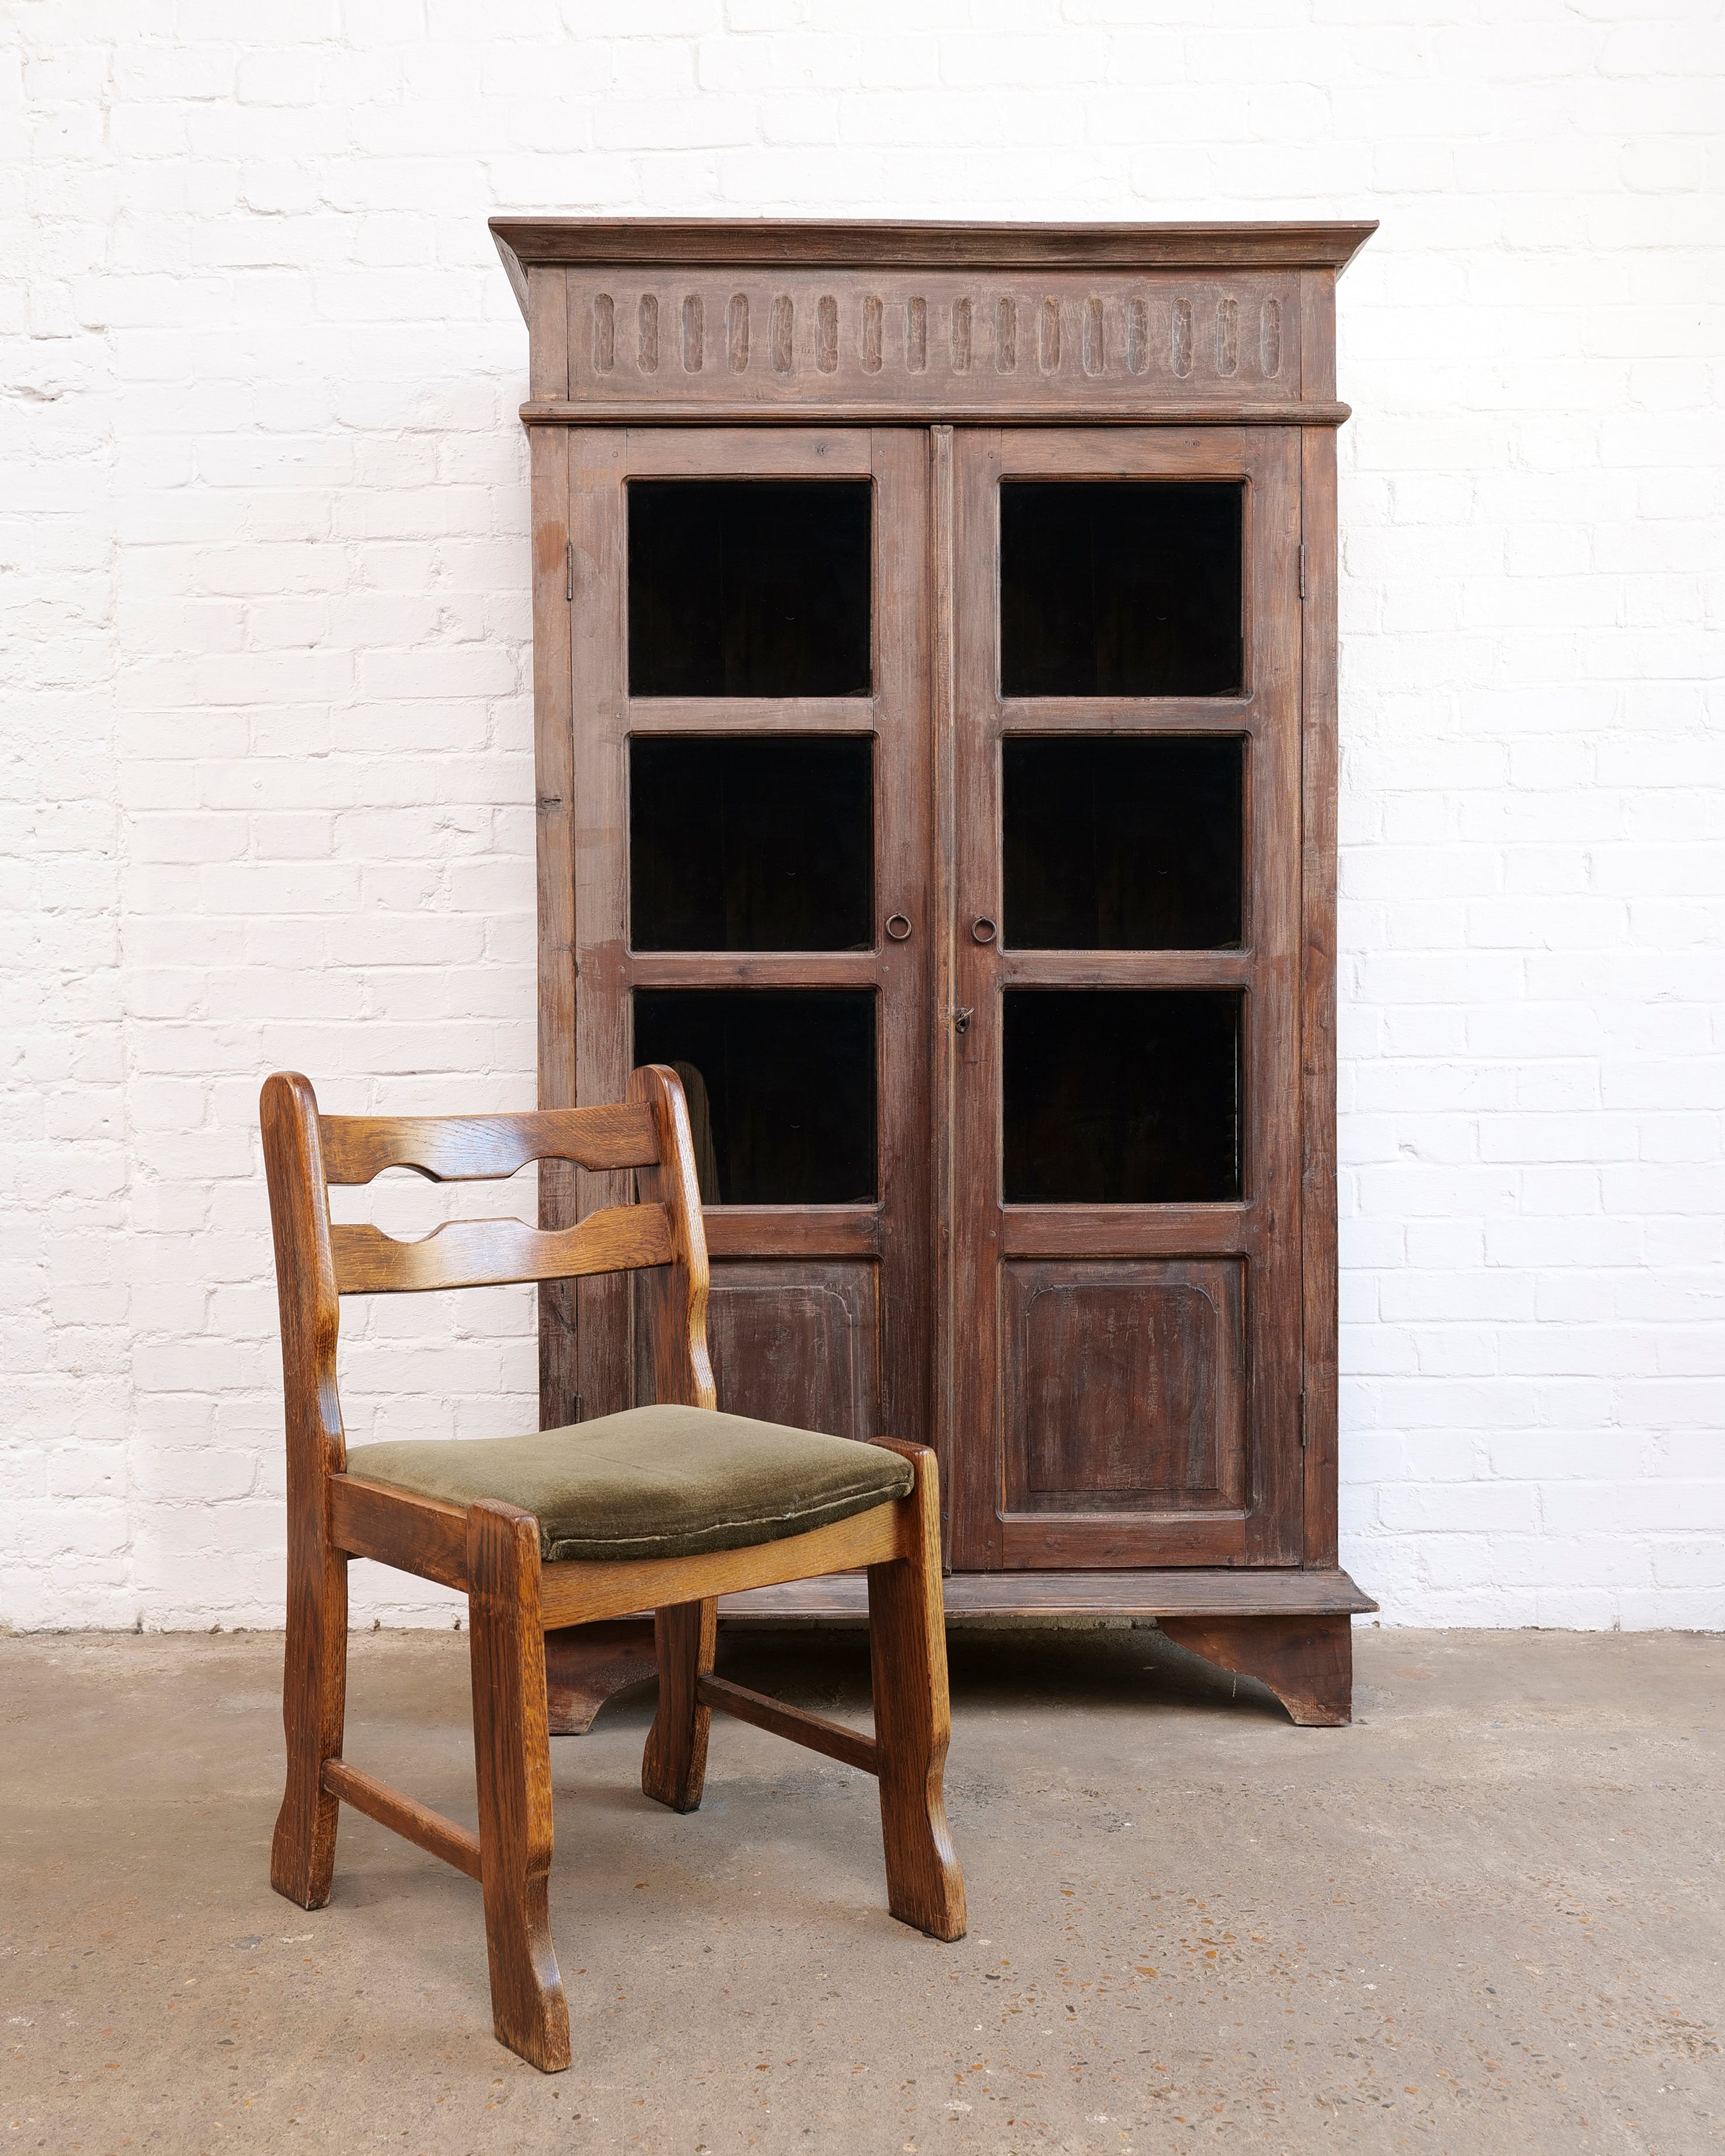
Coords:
663,1507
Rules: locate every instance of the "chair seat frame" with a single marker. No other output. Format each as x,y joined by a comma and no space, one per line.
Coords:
490,1551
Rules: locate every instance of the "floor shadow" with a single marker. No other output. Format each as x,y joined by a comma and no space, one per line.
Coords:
825,1670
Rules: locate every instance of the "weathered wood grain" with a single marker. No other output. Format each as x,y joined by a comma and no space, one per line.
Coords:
870,242
1318,795
395,1528
586,1665
314,1663
512,1768
404,1815
675,1294
578,1593
598,1381
793,420
489,1253
814,1731
943,689
674,1761
1306,1661
548,453
907,1660
1242,1590
479,1149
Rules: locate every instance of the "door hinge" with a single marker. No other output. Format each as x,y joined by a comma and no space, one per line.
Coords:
1302,573
569,572
1302,1422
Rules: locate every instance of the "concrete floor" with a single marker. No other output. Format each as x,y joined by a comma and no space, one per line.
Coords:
1486,1917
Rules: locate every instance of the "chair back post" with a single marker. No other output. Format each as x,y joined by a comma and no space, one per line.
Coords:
304,1285
675,1294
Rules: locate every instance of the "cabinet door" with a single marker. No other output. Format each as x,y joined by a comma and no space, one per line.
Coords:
752,843
1125,1372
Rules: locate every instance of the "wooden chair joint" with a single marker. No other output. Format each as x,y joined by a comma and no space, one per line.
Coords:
814,1731
395,1528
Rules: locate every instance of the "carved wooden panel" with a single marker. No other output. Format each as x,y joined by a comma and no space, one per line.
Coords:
791,1341
1125,1384
973,339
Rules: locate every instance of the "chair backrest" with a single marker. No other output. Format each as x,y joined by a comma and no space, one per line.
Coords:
318,1260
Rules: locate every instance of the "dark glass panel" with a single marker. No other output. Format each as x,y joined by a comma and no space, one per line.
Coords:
1121,587
784,1081
751,846
1118,1096
749,587
1116,843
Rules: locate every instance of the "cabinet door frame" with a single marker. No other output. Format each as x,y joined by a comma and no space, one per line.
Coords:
1261,1231
586,1048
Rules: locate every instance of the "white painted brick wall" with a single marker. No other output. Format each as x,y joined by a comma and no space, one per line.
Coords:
267,746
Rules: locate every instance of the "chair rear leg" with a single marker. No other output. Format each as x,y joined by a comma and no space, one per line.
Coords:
907,1655
314,1691
674,1765
512,1762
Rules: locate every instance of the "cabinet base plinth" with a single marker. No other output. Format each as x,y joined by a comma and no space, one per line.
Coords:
586,1665
1306,1661
1289,1630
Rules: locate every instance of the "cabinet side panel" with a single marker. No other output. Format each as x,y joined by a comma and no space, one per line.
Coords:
598,456
547,331
1317,334
1318,782
1276,1528
548,465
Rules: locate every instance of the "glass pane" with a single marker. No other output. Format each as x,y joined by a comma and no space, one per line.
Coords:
749,587
1121,587
1121,1097
780,1087
751,846
1114,845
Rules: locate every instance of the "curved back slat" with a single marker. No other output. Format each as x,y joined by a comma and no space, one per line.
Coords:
473,1149
489,1253
318,1260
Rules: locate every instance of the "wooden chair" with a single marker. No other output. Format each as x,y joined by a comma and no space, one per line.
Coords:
876,1507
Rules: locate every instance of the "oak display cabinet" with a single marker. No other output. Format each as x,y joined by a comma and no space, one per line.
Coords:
934,675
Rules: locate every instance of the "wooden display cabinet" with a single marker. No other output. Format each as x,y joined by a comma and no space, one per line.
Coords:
934,674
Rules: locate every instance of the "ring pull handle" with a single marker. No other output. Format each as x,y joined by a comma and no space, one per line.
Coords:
898,926
983,930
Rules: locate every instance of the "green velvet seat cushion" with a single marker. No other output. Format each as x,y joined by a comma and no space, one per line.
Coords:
659,1481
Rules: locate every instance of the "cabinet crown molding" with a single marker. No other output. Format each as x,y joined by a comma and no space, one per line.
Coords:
684,320
882,244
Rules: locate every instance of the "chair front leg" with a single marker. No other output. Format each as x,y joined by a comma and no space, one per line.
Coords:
314,1692
907,1655
674,1765
513,1760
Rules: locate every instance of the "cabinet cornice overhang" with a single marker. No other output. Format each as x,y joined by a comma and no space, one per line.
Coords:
715,242
680,321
